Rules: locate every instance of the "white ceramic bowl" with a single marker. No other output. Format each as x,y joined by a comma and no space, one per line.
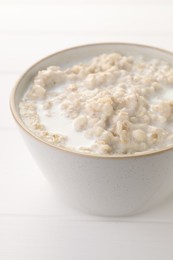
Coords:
112,186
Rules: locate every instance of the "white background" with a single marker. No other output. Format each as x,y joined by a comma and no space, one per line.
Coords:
35,225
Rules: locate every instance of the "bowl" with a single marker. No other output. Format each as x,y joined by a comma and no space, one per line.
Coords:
103,185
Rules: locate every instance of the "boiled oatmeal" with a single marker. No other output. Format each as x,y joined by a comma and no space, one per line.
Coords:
113,104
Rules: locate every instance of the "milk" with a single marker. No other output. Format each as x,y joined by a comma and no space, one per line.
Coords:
58,123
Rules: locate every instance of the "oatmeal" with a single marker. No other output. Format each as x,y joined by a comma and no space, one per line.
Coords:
113,104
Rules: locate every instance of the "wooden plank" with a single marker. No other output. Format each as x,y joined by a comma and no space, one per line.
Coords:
83,19
7,82
47,238
79,2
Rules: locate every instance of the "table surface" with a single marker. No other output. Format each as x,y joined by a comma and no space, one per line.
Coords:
34,225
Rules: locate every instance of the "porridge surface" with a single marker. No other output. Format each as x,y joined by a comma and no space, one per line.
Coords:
114,104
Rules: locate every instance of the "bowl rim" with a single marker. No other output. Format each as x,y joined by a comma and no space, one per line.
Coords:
21,124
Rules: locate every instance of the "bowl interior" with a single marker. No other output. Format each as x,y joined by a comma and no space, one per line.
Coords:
81,54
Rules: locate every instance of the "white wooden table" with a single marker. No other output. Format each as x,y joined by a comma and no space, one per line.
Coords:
34,225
